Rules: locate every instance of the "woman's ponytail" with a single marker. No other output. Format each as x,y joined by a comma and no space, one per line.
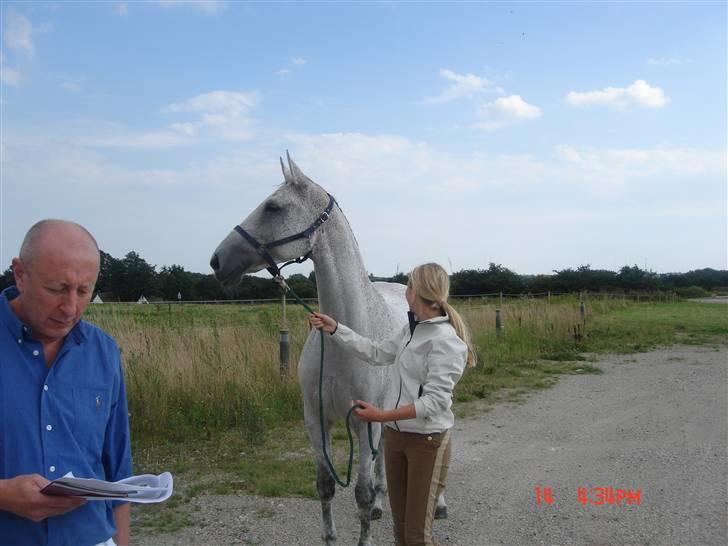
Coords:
461,330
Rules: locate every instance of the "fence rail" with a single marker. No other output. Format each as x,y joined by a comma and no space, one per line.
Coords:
639,297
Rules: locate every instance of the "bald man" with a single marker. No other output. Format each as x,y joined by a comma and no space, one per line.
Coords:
62,397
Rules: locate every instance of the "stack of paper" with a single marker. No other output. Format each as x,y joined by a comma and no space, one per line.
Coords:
146,488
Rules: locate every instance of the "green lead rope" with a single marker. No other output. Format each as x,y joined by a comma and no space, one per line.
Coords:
329,464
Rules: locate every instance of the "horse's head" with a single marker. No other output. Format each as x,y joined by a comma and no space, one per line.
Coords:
279,229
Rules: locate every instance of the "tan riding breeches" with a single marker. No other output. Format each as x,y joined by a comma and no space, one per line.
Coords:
416,466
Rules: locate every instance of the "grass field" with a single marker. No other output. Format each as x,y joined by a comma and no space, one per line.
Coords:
208,404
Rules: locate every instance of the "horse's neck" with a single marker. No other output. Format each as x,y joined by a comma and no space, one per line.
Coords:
344,289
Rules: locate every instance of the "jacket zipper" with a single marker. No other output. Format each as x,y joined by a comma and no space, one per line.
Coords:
399,396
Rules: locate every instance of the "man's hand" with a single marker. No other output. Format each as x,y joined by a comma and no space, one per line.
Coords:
21,495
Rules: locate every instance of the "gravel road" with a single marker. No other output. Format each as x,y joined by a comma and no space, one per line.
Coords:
653,422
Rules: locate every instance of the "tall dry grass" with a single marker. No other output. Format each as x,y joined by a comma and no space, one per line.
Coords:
198,368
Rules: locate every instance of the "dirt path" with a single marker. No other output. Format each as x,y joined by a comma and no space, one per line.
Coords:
654,422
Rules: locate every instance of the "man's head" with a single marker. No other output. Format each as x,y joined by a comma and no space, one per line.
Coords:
55,275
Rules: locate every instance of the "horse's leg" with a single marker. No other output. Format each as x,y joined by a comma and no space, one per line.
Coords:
325,483
326,488
364,490
380,480
441,508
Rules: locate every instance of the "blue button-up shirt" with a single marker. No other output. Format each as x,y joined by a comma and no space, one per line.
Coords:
71,417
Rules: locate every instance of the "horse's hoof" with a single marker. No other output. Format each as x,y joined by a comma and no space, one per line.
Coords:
376,513
441,512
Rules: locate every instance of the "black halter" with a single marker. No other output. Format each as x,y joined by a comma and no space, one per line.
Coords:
262,249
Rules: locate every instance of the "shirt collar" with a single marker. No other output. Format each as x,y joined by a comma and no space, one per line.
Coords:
8,316
435,320
20,330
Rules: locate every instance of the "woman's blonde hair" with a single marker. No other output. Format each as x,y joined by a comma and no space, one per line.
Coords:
431,283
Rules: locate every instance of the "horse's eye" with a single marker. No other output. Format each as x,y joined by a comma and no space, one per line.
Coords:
272,207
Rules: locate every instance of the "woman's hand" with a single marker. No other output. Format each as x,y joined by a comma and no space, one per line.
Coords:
322,322
369,412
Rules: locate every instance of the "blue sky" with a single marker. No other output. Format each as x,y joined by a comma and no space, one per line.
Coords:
539,136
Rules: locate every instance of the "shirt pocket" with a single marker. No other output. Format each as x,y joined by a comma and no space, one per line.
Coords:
92,406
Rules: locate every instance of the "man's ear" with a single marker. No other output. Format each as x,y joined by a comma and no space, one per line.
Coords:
18,273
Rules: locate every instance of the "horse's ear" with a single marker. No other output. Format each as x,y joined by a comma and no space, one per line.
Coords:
296,173
286,173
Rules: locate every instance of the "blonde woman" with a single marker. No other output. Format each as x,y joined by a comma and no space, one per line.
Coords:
430,354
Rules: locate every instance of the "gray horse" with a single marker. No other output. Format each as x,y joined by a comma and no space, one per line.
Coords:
301,219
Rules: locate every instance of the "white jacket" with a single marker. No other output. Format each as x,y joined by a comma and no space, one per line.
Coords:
429,362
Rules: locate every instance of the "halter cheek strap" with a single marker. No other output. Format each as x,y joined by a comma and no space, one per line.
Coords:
262,248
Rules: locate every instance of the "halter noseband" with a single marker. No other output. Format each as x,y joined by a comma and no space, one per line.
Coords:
262,249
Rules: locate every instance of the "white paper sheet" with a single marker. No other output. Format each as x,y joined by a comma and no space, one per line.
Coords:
145,488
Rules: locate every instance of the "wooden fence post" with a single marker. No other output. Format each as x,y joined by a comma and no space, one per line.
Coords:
284,342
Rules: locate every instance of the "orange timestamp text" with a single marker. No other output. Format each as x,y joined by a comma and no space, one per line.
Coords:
593,495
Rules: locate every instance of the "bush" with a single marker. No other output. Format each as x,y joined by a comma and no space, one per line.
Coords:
693,292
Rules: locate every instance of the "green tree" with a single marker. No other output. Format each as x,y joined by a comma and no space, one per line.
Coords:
494,279
107,263
634,278
174,280
132,277
7,278
302,285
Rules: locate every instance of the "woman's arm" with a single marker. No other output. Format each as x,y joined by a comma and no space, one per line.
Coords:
373,413
378,354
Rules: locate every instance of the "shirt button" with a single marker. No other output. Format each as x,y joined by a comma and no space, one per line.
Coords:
52,468
20,341
45,387
35,352
49,427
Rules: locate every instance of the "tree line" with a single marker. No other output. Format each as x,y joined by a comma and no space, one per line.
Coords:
128,278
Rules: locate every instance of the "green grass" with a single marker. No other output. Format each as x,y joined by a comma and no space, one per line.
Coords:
642,327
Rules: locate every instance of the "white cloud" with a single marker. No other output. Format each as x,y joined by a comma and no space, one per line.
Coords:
664,61
516,107
71,83
640,92
505,111
611,170
225,113
153,140
121,9
463,86
210,7
8,75
285,72
228,102
19,32
188,129
452,200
